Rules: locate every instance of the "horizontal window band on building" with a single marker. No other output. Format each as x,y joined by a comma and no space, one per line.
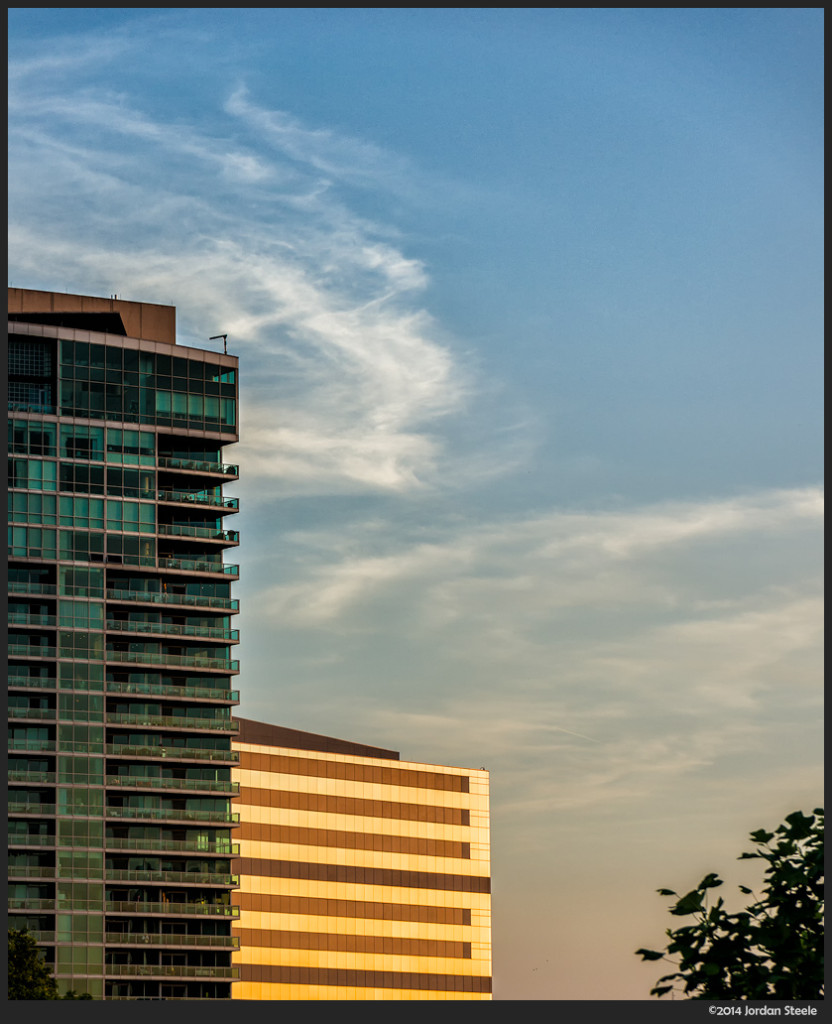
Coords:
283,764
380,944
349,874
353,840
313,906
353,806
363,979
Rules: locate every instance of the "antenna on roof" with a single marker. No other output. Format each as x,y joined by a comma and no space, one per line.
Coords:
224,341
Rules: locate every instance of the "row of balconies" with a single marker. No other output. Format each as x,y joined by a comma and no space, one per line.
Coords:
18,808
172,753
113,875
141,596
120,718
138,845
117,907
133,782
152,939
134,658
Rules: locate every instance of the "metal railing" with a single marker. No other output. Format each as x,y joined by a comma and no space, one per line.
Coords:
18,839
32,714
191,565
24,743
29,807
42,778
31,871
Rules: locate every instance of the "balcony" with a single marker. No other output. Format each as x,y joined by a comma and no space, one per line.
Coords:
173,661
31,871
31,778
170,939
195,693
174,722
200,499
30,651
168,971
171,909
195,466
32,714
31,683
169,877
173,753
175,629
18,807
18,839
31,905
203,533
171,814
230,604
172,846
32,746
155,782
22,619
194,565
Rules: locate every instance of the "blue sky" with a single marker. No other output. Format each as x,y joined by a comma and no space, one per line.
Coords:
527,305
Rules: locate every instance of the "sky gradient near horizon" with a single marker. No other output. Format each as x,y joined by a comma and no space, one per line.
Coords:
528,311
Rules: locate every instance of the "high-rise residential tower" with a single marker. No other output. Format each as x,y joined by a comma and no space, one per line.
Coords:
120,647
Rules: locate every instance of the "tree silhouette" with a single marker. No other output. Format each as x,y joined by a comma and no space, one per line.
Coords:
771,950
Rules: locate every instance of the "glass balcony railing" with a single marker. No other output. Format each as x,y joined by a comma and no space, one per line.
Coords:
168,939
31,651
177,909
196,466
155,782
175,629
231,604
31,683
33,714
205,849
204,533
171,814
173,722
199,498
21,619
173,660
38,778
174,753
169,971
30,871
177,692
165,877
30,904
24,743
29,807
193,565
26,839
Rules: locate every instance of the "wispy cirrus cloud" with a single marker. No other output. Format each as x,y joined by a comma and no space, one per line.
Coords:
346,377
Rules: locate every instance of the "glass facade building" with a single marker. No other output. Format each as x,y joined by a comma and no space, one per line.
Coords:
361,876
120,648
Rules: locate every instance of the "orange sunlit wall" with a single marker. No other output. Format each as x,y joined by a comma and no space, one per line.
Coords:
361,876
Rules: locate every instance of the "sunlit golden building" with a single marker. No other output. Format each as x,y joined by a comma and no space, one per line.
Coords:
361,876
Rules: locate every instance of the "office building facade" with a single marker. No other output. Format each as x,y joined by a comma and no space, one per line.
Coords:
361,876
120,648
